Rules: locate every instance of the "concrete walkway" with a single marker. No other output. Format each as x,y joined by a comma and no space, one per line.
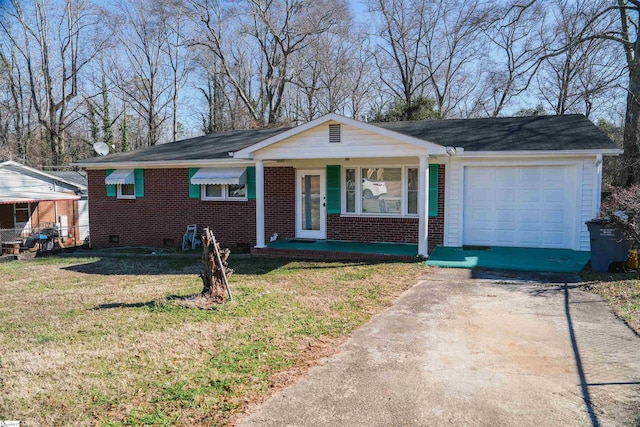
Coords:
462,350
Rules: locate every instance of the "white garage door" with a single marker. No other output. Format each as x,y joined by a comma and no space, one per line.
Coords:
532,207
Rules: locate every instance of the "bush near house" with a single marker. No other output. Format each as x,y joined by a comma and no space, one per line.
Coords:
622,208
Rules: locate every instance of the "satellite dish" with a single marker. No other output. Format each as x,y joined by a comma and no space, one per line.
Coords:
101,148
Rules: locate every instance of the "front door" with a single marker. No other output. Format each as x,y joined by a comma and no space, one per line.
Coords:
22,218
311,210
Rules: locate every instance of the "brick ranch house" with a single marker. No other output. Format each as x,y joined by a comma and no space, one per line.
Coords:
518,181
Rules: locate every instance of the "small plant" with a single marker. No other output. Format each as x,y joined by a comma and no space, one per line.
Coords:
622,208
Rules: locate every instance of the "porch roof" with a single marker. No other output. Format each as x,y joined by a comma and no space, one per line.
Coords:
11,197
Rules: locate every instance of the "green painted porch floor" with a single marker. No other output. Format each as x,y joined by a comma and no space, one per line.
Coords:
503,258
399,249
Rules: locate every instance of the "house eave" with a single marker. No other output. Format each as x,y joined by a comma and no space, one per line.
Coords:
537,154
163,164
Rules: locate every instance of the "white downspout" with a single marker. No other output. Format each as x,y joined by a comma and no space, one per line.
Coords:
260,204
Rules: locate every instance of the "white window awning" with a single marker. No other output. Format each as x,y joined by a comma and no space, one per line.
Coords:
220,176
120,176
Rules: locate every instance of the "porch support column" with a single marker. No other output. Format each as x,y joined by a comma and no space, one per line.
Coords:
423,206
260,204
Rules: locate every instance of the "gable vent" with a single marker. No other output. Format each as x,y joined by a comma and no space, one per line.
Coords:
335,133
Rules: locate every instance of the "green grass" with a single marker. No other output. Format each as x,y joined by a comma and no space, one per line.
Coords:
621,290
108,342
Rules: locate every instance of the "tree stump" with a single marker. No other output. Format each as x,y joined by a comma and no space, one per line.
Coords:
215,272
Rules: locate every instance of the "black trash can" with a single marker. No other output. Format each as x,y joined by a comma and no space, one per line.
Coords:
608,245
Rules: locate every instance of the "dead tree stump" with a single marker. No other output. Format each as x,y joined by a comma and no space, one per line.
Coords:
215,272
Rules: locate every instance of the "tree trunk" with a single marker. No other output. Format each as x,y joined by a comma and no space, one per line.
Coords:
214,278
631,157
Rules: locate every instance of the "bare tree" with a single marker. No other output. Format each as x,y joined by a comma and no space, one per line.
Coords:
17,108
278,29
571,80
518,38
144,78
400,31
451,49
53,58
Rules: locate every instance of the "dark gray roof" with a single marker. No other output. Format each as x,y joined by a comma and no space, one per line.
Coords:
75,177
213,146
536,133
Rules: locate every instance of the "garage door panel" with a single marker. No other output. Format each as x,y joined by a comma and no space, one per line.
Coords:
529,206
529,216
553,239
506,196
528,175
528,196
506,215
528,239
554,196
554,217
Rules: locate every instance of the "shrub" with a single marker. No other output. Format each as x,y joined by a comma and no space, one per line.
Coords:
622,208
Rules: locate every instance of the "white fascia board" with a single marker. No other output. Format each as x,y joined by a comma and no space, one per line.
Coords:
161,164
432,148
41,173
537,154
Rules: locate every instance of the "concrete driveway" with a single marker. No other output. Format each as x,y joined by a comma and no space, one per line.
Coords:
491,350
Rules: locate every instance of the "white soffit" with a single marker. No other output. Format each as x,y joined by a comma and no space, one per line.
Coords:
120,176
220,176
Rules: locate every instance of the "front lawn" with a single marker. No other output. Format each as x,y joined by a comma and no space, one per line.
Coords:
105,341
621,290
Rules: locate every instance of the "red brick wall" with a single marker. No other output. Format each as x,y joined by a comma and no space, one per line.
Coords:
280,202
164,213
166,209
397,230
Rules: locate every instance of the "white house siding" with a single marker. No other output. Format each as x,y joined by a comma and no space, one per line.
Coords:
18,179
83,218
314,144
453,204
587,200
590,205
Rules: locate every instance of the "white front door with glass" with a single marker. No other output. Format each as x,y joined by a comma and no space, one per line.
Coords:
311,210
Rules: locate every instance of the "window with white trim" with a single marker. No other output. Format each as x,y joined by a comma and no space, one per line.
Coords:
380,191
223,192
126,191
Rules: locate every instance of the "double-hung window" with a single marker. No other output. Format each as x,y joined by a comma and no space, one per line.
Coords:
223,192
381,191
219,183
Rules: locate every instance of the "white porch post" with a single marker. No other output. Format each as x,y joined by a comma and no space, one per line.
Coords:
423,206
260,204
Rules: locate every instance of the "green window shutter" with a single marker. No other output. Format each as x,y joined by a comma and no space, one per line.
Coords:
111,188
333,189
194,189
433,190
251,182
139,182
